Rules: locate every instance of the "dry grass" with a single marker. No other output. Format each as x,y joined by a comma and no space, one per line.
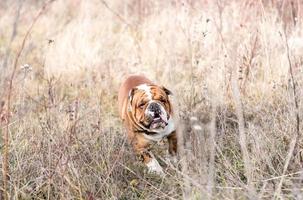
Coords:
227,62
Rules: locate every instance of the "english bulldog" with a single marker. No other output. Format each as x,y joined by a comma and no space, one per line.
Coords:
146,111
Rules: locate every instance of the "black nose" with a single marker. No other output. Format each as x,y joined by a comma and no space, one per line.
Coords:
154,107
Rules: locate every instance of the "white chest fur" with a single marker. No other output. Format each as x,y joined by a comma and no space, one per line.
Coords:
162,133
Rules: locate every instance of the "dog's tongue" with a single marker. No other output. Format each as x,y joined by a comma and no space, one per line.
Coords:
158,122
155,125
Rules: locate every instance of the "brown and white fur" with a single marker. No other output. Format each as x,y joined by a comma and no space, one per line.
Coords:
147,113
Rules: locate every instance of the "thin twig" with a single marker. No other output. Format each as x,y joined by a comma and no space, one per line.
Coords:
212,149
14,33
293,146
116,14
5,160
119,156
294,87
128,25
242,137
285,175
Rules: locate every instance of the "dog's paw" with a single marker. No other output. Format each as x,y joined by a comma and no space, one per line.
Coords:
154,167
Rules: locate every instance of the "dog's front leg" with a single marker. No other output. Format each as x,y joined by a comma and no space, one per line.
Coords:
172,143
141,146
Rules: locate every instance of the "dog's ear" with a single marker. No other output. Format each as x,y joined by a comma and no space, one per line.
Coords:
167,91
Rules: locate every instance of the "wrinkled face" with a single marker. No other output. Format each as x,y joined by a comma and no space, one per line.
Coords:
150,107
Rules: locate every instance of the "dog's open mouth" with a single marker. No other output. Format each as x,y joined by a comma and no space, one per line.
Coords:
158,123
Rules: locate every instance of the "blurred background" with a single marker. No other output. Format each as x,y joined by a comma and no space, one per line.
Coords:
235,68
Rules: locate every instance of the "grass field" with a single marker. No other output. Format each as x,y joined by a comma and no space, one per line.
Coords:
235,68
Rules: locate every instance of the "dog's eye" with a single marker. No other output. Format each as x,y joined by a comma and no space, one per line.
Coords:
141,105
163,100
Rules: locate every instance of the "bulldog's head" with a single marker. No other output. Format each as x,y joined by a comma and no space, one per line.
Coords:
150,107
